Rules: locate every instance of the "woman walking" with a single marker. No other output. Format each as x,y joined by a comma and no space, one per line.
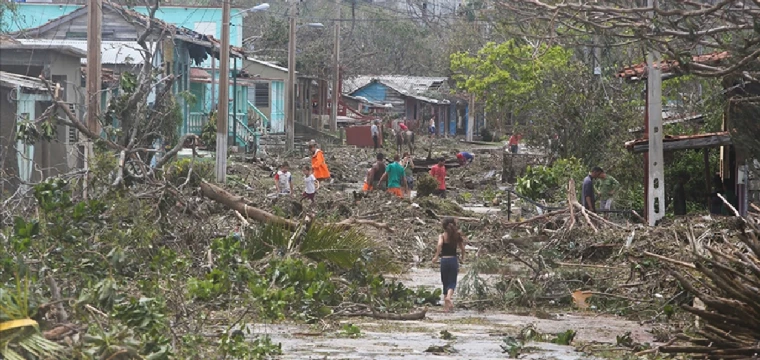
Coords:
448,242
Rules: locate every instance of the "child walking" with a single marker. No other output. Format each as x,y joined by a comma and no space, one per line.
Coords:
283,181
311,185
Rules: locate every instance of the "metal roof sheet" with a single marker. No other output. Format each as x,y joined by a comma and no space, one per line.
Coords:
111,52
412,86
639,71
8,79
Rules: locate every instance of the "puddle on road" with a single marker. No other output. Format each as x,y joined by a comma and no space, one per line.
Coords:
478,334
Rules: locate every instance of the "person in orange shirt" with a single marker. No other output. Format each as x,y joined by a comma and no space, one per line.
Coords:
318,163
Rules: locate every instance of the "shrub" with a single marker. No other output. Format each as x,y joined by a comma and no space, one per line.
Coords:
486,135
550,182
426,185
178,172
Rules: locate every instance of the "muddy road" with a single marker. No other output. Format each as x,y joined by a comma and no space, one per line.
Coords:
478,335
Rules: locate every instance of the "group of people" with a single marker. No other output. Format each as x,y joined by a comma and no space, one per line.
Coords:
313,174
396,177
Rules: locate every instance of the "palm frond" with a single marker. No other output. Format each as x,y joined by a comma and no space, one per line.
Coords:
342,247
18,338
266,239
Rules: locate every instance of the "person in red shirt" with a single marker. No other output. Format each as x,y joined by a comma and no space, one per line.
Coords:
403,126
439,173
514,142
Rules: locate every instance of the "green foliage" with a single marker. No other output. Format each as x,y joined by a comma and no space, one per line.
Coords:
178,172
351,331
505,73
341,248
550,182
236,346
511,346
426,185
212,286
208,132
21,342
446,335
486,135
564,338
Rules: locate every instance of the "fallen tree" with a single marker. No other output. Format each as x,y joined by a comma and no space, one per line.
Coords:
246,209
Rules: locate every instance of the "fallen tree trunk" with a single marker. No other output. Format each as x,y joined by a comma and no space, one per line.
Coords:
240,205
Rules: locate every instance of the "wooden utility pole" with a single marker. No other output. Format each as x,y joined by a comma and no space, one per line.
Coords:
470,118
224,96
290,113
655,199
336,74
94,25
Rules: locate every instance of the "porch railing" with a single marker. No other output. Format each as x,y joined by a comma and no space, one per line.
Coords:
196,122
264,119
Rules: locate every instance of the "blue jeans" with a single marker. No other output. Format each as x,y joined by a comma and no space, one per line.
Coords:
449,272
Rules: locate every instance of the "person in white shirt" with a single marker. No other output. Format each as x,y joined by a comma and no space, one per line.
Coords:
311,185
375,131
283,180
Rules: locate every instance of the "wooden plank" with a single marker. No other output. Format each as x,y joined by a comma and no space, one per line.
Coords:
698,143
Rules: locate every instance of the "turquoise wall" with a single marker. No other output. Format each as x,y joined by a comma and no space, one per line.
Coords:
28,16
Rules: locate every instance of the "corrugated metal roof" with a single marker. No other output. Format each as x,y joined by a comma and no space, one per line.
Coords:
269,64
409,84
412,86
8,79
111,52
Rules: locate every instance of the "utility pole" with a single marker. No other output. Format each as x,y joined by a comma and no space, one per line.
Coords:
470,118
290,114
224,96
336,75
213,82
655,199
94,23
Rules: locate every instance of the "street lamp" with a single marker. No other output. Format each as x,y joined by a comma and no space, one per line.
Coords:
257,8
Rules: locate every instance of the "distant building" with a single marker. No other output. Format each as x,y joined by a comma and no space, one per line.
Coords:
416,99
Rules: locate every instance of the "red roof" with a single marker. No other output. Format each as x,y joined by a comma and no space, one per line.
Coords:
199,74
667,66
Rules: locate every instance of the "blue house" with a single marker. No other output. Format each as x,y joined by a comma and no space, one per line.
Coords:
185,41
415,99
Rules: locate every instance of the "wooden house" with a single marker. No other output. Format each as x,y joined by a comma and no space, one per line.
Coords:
414,99
173,49
24,97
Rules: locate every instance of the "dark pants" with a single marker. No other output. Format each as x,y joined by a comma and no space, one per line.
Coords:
513,149
375,141
440,193
449,272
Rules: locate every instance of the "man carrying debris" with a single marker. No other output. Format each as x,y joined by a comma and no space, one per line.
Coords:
465,158
375,131
439,173
607,188
283,180
395,174
588,189
375,173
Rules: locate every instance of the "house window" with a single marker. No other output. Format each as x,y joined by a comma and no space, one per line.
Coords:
261,96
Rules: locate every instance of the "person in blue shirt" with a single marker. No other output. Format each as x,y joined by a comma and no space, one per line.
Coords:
465,158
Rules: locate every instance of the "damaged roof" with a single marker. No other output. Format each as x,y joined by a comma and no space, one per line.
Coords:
12,80
209,43
683,142
413,86
639,71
